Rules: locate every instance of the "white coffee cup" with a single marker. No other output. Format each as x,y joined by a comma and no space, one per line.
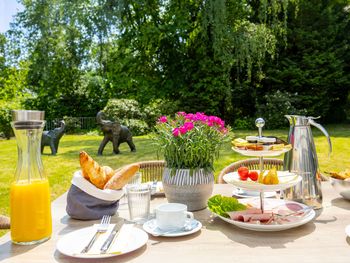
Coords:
172,216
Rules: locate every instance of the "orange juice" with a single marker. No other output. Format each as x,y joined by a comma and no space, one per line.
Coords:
30,211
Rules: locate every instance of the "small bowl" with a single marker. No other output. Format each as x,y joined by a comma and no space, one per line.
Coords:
342,187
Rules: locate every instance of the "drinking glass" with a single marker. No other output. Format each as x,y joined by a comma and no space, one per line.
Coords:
139,199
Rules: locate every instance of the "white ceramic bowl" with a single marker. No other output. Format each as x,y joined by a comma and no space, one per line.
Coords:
342,187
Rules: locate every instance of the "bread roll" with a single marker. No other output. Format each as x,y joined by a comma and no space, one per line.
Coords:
92,171
122,176
108,171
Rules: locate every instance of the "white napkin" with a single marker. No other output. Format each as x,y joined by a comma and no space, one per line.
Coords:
107,194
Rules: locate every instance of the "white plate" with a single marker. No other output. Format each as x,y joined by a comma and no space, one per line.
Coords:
271,203
286,179
151,228
129,239
263,153
239,192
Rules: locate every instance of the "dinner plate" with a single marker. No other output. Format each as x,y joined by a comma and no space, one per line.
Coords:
239,192
262,153
152,228
129,239
269,204
286,180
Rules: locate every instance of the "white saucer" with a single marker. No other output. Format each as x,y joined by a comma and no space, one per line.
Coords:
239,192
151,228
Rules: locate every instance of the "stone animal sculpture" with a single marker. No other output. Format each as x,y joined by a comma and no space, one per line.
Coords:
52,138
113,132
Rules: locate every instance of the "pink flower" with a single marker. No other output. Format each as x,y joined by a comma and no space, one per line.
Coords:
181,113
163,119
189,125
190,117
213,119
176,132
183,129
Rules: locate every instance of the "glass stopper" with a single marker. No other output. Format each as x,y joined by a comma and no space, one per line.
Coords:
259,122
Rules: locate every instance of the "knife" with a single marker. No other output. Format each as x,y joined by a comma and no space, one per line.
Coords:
110,238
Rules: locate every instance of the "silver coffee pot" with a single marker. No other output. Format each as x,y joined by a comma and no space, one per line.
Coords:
302,159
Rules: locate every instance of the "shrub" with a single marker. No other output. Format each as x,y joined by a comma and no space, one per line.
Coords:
137,127
244,123
129,113
276,106
73,124
121,109
6,118
151,113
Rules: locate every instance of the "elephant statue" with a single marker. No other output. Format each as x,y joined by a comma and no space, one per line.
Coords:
113,132
52,138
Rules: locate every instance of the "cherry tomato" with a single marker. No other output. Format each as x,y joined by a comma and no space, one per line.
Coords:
243,173
253,175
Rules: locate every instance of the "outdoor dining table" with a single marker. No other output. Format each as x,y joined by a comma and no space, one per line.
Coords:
321,240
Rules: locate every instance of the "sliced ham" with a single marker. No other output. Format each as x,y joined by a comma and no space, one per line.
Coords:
255,216
234,215
251,215
265,217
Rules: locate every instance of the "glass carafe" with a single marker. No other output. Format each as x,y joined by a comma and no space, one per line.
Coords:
30,207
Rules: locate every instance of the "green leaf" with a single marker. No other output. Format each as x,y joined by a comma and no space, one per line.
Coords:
219,204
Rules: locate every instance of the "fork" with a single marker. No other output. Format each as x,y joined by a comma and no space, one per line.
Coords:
101,228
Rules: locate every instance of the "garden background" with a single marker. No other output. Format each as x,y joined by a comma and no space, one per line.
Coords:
234,59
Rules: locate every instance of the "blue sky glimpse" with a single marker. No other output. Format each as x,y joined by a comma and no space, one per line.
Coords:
8,8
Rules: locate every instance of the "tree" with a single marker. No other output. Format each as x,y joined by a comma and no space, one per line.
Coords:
192,52
314,66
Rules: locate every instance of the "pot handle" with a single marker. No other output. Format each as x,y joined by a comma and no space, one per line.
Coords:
323,130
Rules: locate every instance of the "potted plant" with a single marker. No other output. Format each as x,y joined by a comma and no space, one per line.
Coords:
190,143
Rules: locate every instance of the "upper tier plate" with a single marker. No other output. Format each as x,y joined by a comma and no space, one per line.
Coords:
286,180
266,153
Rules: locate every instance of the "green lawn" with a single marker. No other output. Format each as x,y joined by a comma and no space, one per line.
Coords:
60,168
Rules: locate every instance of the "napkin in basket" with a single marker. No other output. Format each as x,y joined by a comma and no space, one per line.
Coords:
87,202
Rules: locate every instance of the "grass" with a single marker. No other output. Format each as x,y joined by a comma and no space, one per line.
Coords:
60,168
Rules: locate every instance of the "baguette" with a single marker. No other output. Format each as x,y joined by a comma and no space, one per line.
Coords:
92,171
122,176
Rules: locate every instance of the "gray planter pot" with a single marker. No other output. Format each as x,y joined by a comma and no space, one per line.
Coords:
191,190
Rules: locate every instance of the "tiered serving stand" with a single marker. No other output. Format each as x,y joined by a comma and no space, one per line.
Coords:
287,179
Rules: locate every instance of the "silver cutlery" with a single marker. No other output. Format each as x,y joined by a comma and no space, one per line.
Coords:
106,245
101,228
